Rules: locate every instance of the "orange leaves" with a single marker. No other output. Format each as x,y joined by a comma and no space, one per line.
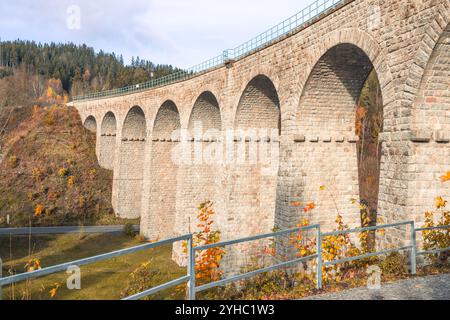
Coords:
32,265
445,177
54,290
296,203
310,206
38,210
207,262
440,202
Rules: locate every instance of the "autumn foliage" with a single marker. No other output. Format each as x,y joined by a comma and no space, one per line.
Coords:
207,262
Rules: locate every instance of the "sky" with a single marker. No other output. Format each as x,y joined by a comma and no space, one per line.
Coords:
178,32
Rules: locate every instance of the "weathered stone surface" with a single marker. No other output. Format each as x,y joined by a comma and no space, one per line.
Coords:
307,83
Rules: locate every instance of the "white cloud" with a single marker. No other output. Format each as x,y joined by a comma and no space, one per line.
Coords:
178,32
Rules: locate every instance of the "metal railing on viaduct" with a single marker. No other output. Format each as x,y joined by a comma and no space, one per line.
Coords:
190,277
313,12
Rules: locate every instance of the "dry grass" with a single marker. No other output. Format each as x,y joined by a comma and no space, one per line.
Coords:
99,281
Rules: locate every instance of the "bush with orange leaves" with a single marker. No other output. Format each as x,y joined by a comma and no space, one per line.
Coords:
207,262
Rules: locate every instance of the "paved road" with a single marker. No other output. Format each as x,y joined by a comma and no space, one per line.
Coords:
63,230
425,288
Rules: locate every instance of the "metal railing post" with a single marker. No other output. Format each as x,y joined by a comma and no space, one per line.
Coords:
413,249
319,259
191,268
1,274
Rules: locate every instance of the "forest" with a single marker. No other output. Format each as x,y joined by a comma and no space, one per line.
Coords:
80,69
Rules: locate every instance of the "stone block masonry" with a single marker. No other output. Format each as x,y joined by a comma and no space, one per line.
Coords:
304,88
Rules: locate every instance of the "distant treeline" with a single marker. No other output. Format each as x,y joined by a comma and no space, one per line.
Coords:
80,69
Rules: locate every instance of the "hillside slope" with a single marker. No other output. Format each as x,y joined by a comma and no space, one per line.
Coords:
49,174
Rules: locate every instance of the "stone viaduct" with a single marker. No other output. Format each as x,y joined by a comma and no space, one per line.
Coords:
302,91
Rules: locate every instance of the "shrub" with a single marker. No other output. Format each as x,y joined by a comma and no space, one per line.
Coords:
128,229
63,172
437,238
394,264
140,280
13,162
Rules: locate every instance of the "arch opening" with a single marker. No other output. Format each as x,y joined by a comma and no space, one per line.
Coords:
431,116
107,143
135,126
132,155
340,116
164,171
91,124
259,106
205,116
251,181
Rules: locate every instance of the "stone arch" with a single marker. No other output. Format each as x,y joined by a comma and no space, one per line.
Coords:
205,111
167,121
135,125
431,125
259,105
432,34
325,152
164,171
251,178
258,71
298,160
90,123
107,142
199,173
360,39
131,166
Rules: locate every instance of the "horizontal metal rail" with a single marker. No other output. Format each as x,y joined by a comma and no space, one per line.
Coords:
367,255
63,230
98,258
314,11
356,230
257,237
161,287
432,228
253,273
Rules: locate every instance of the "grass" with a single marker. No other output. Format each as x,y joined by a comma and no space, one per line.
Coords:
99,281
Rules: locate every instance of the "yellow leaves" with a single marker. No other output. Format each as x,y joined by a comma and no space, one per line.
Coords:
92,173
13,161
38,210
440,202
71,181
62,172
37,174
436,238
322,188
54,290
32,265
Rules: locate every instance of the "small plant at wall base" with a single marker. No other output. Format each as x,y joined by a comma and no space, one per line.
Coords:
438,238
207,262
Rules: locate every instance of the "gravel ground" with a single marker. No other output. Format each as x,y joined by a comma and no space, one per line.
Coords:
425,288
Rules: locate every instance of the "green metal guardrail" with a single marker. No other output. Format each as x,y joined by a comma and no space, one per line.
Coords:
189,278
288,26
